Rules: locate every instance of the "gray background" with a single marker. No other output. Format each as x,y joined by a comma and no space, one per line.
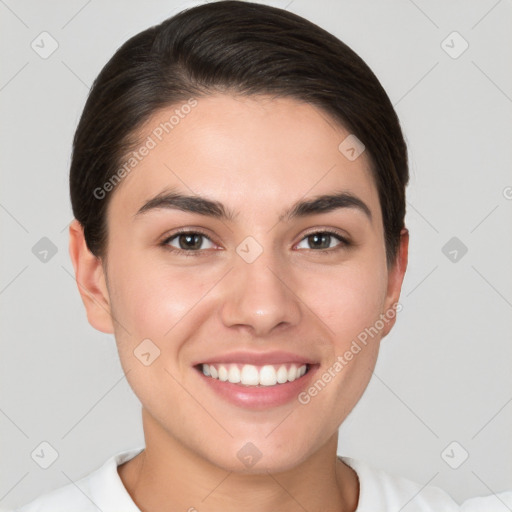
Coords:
444,371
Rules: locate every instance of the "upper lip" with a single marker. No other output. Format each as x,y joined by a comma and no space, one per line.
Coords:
257,358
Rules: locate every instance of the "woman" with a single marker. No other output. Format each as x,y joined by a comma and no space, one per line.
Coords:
238,185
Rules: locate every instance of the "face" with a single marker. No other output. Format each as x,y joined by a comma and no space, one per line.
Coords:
255,277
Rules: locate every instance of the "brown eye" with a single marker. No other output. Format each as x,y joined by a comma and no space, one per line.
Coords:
322,240
189,241
319,241
193,241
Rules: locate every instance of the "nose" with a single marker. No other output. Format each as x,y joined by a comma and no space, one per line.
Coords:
259,296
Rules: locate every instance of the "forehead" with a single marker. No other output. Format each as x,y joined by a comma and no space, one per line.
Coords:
254,153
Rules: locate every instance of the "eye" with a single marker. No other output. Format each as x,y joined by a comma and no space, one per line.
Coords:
323,240
188,241
193,242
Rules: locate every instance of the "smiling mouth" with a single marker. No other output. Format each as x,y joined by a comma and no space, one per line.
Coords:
255,376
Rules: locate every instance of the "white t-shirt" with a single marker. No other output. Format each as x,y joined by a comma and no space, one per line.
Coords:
103,490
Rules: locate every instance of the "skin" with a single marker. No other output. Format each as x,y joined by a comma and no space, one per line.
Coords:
257,156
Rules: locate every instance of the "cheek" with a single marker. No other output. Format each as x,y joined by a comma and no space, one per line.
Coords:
151,298
347,299
350,301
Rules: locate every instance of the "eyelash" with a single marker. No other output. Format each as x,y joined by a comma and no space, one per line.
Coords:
344,243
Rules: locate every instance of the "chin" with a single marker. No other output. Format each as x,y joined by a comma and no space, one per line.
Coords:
260,456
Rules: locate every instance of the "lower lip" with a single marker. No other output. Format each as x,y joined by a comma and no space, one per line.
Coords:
260,397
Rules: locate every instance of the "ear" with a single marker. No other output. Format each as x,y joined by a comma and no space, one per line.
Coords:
91,280
395,279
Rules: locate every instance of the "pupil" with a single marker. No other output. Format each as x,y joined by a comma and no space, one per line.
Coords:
190,241
314,239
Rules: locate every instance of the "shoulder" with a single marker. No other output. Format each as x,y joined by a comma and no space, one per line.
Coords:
101,489
379,490
60,499
498,502
384,491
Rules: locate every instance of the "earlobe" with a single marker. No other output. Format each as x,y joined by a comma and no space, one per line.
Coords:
395,280
90,279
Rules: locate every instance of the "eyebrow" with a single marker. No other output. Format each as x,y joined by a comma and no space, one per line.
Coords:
302,208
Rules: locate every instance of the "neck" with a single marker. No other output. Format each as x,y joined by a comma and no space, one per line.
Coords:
168,473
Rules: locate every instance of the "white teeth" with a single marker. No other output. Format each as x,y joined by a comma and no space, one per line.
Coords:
282,375
268,376
234,373
223,373
250,375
